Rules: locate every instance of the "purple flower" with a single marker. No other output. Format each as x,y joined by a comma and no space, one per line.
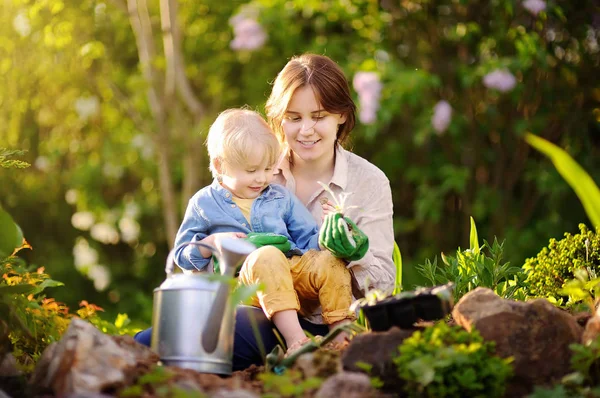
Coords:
442,116
249,34
500,79
368,86
534,6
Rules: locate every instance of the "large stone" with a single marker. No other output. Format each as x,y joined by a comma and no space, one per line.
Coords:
347,385
535,333
376,350
86,360
8,366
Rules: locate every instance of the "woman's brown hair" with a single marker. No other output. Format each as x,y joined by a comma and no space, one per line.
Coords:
328,83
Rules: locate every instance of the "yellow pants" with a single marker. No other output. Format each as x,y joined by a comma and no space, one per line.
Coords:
300,283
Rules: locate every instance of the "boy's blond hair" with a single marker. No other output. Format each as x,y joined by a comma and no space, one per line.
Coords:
235,134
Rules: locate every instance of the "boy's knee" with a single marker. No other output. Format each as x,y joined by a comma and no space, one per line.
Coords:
266,258
329,267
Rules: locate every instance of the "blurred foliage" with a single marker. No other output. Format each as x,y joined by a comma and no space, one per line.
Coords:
30,321
74,97
549,271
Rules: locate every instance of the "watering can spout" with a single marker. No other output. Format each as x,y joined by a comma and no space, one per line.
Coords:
233,252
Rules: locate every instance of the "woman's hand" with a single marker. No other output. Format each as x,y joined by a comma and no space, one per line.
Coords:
343,238
328,207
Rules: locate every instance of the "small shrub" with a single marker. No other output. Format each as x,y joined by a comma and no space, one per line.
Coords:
548,272
30,321
448,361
476,267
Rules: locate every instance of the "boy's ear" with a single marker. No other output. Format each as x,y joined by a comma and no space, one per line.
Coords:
218,165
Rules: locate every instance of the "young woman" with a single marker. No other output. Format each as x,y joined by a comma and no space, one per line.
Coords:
312,112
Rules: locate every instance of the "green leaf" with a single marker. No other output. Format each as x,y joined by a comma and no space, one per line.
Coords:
47,283
587,191
11,236
473,239
243,293
397,257
15,289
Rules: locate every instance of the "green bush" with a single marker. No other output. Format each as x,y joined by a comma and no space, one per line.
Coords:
555,265
448,361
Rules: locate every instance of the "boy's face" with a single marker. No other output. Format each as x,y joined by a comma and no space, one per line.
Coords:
249,180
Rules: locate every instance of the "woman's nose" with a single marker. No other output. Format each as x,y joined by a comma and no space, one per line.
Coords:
307,127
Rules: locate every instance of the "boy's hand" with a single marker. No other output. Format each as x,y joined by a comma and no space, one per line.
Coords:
260,239
343,238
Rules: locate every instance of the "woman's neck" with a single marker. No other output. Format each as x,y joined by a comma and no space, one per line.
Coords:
316,170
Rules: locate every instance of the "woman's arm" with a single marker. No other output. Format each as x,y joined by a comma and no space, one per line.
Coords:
373,214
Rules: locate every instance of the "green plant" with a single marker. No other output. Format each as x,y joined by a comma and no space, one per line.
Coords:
376,381
581,182
448,361
560,391
7,163
582,290
473,268
157,383
554,265
290,383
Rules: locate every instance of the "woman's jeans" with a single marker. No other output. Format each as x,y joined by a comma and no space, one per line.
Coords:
254,336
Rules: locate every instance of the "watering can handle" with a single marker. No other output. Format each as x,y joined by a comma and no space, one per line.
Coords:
171,257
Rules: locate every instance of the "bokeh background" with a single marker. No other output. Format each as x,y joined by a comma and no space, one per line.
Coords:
112,101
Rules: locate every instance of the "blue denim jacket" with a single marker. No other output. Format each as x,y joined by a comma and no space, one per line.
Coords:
212,210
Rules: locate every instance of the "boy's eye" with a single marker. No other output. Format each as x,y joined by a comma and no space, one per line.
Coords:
251,171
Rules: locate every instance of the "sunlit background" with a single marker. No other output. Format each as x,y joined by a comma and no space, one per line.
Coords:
112,100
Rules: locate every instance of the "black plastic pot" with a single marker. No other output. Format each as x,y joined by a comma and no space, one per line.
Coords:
404,310
428,307
390,312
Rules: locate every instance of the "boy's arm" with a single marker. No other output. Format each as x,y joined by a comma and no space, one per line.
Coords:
194,228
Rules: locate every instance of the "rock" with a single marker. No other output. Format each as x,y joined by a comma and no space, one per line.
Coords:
8,366
592,330
234,394
376,350
347,385
535,333
86,360
321,363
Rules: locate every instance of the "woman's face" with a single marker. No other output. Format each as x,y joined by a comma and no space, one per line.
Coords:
310,131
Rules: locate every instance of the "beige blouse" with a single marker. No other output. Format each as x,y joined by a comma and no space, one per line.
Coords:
370,207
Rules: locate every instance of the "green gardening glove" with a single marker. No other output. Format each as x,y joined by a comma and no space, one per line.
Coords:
343,238
260,239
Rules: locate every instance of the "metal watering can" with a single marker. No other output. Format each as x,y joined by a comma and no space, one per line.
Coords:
193,320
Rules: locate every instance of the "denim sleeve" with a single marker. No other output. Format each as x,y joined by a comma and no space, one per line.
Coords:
194,228
301,225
